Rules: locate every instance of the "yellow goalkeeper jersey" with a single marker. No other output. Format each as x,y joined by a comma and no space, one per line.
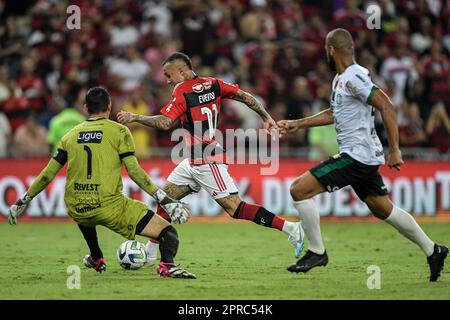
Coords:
94,151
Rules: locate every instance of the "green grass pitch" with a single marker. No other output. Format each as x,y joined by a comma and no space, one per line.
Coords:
231,261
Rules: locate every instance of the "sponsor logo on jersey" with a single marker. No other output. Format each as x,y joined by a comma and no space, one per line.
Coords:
207,85
87,208
86,186
204,98
90,137
197,88
350,87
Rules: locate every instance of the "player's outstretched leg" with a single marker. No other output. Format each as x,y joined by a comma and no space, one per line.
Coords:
166,235
302,190
401,220
239,209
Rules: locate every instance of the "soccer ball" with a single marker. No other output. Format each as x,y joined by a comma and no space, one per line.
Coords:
131,255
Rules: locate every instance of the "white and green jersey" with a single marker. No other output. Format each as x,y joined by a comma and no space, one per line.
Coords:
354,117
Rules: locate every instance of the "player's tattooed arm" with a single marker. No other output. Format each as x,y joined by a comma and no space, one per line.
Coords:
159,121
177,192
252,103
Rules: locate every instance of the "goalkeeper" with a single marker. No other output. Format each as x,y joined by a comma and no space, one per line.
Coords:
95,151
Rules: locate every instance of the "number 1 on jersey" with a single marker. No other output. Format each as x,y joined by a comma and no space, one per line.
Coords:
89,161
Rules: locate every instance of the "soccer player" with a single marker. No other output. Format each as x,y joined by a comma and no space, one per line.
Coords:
353,102
95,151
197,101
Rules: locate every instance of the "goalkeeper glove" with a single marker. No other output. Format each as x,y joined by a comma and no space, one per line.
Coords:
18,208
178,212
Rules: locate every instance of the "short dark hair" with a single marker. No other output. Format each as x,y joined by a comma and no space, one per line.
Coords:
179,56
97,100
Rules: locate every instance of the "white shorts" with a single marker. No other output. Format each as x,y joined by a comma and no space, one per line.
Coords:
214,178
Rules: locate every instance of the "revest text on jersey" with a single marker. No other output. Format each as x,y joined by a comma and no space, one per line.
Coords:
86,186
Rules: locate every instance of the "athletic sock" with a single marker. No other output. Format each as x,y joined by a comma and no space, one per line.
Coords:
407,226
151,248
162,213
259,215
168,244
309,215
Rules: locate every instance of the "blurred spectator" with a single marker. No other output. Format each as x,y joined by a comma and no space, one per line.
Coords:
12,45
438,128
223,69
436,70
131,69
400,67
159,10
30,140
16,106
350,18
68,118
5,135
411,132
421,41
225,35
123,33
257,23
290,65
54,73
31,84
300,102
195,30
143,136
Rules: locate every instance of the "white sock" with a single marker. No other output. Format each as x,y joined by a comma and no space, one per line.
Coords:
289,227
311,224
407,226
151,248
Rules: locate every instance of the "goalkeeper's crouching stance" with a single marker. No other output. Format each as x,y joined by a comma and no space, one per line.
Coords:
95,152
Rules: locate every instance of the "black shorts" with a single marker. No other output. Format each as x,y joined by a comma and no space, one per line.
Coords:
342,170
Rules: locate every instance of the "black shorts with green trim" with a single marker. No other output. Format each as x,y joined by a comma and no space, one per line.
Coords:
342,170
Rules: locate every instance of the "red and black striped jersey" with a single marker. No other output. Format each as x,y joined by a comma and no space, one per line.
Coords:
197,103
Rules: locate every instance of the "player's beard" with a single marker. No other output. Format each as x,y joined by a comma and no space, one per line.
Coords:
331,63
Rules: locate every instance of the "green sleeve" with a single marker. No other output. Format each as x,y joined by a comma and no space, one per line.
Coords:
45,177
126,141
138,175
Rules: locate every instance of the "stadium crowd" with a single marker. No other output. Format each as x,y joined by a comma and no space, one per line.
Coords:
272,48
